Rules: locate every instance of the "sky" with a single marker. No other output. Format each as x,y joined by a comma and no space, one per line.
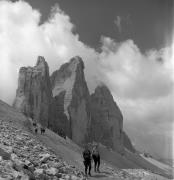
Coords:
128,45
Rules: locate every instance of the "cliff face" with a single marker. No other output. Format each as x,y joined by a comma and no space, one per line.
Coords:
68,84
106,119
33,95
127,143
62,103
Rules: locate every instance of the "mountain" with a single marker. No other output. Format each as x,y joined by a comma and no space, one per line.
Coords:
106,119
62,103
71,97
127,143
34,95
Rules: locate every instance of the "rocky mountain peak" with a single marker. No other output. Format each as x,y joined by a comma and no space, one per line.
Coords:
42,66
62,102
78,61
106,119
33,95
71,95
103,91
40,61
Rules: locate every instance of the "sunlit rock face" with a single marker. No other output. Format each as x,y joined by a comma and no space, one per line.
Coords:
33,95
106,119
71,94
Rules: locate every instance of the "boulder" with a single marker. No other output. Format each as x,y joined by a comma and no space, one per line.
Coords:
52,171
39,171
44,157
4,155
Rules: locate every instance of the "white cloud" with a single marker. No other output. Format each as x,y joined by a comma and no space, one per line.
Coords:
141,83
132,74
22,39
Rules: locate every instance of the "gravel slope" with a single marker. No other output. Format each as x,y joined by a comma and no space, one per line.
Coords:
26,155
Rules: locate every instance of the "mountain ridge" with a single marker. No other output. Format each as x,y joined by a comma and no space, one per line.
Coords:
62,102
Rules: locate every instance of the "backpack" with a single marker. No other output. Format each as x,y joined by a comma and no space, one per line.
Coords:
86,154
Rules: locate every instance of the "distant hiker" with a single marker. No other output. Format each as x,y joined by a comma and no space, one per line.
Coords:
87,160
42,130
34,124
36,130
96,158
62,133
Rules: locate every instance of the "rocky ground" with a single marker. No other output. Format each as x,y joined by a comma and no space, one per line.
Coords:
22,157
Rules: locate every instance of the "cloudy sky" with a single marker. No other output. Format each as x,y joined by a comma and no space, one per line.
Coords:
125,44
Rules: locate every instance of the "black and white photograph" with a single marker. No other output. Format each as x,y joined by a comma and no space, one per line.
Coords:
86,89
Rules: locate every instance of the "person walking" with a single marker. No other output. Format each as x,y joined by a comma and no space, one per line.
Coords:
42,130
36,130
96,158
87,160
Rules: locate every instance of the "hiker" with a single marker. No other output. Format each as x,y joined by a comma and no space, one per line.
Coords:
42,130
34,124
87,160
62,133
96,158
36,130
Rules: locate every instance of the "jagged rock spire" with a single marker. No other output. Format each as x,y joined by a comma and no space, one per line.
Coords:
69,87
33,95
106,119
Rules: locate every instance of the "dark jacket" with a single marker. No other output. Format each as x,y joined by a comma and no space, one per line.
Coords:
87,154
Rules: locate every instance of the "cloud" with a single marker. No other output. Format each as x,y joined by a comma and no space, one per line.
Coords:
141,83
22,39
148,123
133,74
117,22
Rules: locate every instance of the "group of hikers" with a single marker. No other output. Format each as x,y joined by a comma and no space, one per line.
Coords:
36,127
42,129
62,133
88,156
